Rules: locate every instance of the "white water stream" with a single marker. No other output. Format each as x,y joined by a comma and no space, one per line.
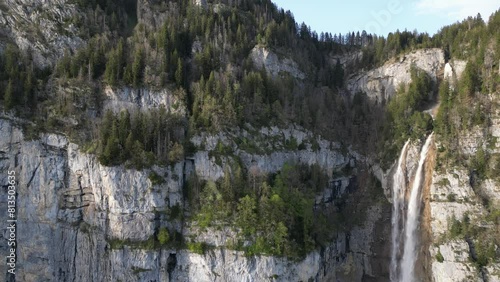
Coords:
404,270
398,194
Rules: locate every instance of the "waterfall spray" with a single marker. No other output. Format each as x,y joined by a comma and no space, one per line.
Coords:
398,192
412,220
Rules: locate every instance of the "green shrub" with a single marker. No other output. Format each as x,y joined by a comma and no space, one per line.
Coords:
291,144
315,145
443,182
176,153
197,247
439,256
485,252
451,197
163,236
455,228
155,178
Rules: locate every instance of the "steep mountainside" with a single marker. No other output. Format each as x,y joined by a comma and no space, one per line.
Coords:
219,140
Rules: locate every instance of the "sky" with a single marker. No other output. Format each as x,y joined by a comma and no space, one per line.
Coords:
384,16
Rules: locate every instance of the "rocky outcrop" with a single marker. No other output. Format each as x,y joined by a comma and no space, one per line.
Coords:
453,71
44,28
381,83
69,205
142,99
267,150
201,3
457,68
456,264
347,58
451,198
348,258
264,58
149,12
81,221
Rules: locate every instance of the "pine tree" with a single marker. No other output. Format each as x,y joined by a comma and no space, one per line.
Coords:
105,132
227,186
29,98
110,74
247,218
111,154
124,126
129,146
179,74
137,67
9,98
120,55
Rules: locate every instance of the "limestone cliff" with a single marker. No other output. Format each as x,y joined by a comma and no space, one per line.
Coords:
72,211
265,58
43,28
79,220
381,83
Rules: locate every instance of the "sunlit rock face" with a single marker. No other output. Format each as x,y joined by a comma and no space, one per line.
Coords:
267,59
72,210
381,84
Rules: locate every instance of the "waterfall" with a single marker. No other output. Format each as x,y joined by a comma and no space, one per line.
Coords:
398,193
405,226
412,218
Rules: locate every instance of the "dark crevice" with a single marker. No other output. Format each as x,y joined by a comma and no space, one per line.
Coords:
74,255
171,264
33,175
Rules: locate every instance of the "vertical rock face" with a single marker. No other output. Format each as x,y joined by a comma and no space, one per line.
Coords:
42,27
265,58
381,83
456,264
142,99
72,213
453,197
453,71
68,205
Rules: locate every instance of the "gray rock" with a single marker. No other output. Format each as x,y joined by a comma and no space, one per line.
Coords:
265,58
142,99
71,209
36,26
382,83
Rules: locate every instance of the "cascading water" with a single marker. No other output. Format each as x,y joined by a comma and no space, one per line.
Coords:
404,269
412,220
398,193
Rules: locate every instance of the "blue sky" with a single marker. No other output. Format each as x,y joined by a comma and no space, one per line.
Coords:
384,16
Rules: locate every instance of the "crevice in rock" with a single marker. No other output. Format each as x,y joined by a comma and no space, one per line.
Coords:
74,255
33,175
171,264
473,255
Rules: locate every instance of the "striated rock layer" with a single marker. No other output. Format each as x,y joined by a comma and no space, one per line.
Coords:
72,211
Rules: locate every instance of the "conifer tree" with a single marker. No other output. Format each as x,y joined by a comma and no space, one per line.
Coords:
9,98
28,89
137,67
179,73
